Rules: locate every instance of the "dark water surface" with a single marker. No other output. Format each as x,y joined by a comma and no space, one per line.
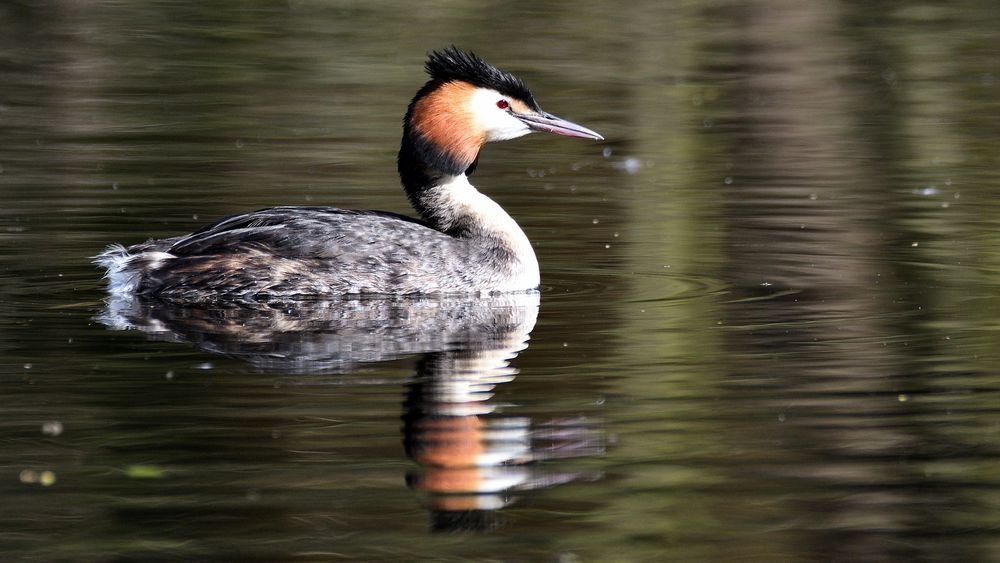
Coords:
767,332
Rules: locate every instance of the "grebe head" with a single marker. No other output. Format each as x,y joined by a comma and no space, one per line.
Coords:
467,103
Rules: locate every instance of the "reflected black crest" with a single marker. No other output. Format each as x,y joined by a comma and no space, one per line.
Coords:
454,64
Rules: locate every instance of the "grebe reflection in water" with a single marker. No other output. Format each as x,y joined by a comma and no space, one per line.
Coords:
474,454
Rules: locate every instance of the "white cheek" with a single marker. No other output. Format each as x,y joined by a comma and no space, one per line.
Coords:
497,123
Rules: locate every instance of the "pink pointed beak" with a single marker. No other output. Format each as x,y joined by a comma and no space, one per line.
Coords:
549,123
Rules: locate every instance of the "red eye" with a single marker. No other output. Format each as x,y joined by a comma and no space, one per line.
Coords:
503,104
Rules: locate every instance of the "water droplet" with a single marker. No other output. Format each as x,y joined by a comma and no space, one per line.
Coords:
606,152
52,428
632,165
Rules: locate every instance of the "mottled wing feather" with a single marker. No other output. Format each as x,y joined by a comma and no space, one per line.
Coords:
316,250
294,232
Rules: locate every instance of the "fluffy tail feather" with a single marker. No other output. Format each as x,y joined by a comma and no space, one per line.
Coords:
125,268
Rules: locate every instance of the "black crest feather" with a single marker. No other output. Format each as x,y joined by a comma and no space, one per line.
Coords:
453,64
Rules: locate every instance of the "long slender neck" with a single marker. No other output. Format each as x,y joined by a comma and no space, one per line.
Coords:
441,143
431,179
439,189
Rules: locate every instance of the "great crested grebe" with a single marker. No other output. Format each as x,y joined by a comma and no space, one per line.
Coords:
463,243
